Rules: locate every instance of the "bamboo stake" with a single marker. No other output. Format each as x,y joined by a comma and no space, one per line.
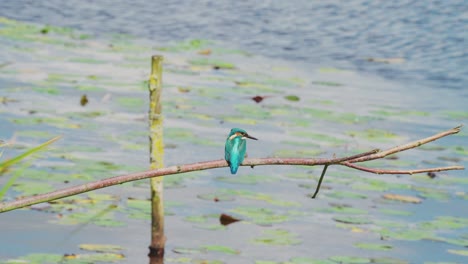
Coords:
158,239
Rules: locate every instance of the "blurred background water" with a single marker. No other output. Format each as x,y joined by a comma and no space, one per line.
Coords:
429,35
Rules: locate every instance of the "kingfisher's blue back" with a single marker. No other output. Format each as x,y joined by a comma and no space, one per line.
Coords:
236,147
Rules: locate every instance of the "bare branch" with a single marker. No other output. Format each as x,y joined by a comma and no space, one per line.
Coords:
345,161
410,145
379,171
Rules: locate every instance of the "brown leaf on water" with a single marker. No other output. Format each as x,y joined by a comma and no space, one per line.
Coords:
84,100
387,60
402,198
5,100
183,89
259,98
204,52
225,219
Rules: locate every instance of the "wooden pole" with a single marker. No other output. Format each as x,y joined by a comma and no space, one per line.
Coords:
158,239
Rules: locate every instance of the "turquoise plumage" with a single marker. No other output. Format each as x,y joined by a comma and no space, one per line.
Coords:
236,147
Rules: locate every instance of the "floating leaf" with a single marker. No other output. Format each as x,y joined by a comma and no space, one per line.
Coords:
84,100
300,153
221,249
101,248
387,60
445,222
460,252
88,60
411,234
216,64
216,197
47,90
457,115
374,135
279,237
259,98
247,179
350,260
293,98
387,260
70,258
346,195
461,151
261,216
241,120
139,209
130,102
352,220
343,209
181,250
225,219
402,198
306,260
31,188
325,83
373,246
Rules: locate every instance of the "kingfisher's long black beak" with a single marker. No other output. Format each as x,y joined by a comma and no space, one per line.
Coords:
247,136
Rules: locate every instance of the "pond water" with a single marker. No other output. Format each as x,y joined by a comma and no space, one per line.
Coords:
312,52
429,36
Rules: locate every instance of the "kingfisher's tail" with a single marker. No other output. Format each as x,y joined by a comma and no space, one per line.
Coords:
233,167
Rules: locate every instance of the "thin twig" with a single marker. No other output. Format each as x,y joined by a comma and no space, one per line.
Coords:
410,145
379,171
320,181
337,161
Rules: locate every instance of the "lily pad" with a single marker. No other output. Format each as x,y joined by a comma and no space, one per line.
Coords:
411,234
260,216
343,209
131,102
306,260
71,258
181,250
356,220
402,198
326,83
374,135
278,237
101,248
31,188
138,209
456,115
460,252
216,64
346,195
373,246
47,90
350,260
216,197
221,249
293,98
247,179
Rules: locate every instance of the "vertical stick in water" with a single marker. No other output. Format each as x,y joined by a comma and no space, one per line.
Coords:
156,158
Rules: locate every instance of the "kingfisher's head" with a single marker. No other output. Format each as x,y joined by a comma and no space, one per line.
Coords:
239,133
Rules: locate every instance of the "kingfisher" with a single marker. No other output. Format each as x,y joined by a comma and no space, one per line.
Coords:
236,146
